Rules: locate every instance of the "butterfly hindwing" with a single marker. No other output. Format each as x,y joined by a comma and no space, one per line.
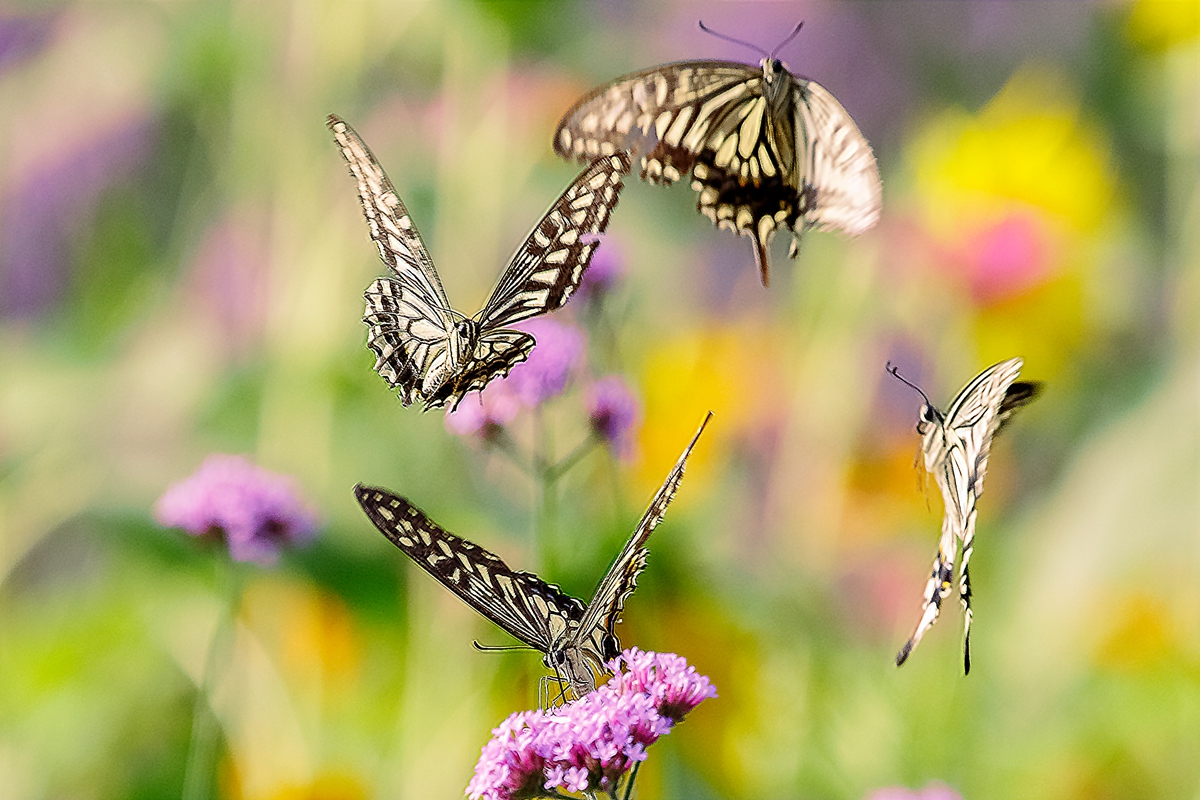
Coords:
528,608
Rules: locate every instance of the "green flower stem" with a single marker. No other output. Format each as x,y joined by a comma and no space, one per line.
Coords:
632,778
201,762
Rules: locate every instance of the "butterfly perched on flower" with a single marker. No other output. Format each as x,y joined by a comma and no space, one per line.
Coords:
426,349
766,149
577,639
955,447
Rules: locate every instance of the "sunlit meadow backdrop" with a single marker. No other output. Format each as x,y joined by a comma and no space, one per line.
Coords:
182,260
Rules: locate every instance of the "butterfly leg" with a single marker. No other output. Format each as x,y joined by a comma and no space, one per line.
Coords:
941,579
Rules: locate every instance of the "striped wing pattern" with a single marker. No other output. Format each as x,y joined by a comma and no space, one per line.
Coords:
598,627
577,640
531,610
425,349
765,148
955,448
549,265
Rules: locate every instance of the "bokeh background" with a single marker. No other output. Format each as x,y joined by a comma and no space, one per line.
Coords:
182,260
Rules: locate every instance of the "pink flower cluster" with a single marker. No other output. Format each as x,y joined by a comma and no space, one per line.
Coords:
253,511
589,744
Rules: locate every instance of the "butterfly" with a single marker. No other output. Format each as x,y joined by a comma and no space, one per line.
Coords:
766,149
426,349
576,639
955,448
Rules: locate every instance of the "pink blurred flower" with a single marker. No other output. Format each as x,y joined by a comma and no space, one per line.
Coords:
558,353
1007,257
589,744
612,412
935,790
484,413
253,511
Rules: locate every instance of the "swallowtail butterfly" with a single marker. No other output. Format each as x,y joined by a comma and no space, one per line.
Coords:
766,149
426,349
577,639
955,448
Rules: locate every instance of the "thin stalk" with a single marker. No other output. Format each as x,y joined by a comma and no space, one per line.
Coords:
632,778
203,741
565,464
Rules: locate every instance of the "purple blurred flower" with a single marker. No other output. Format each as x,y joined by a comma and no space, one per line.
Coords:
484,413
605,270
22,37
612,412
589,744
42,211
935,790
559,351
253,511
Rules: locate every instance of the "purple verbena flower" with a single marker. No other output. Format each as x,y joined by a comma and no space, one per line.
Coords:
607,267
591,743
486,412
935,790
253,511
559,352
612,412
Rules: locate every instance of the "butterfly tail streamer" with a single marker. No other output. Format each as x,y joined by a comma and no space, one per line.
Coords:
941,579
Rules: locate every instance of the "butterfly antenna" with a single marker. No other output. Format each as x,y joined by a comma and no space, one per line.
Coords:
789,37
732,40
895,373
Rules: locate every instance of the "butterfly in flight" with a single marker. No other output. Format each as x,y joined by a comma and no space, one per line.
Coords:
955,449
576,639
766,149
427,350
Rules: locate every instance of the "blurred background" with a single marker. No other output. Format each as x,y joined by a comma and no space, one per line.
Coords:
182,261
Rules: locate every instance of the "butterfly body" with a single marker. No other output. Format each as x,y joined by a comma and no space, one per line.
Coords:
766,149
576,639
425,349
955,446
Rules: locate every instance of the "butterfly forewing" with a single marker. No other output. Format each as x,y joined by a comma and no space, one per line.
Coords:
533,611
604,612
549,265
391,226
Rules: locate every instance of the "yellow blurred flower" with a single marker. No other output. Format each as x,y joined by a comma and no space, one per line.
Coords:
1162,24
733,370
1014,202
1026,153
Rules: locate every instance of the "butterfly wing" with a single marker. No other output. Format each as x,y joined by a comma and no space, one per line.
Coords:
596,631
839,165
662,114
408,316
496,353
528,608
548,266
